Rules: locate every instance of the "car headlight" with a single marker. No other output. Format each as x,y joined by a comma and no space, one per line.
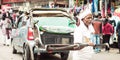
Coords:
65,40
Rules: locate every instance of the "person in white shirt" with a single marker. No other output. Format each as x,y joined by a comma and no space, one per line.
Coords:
82,34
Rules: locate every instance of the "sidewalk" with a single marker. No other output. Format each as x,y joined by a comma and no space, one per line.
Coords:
111,55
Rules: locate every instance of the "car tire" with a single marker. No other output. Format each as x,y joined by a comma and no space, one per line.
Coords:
64,55
36,56
26,53
14,50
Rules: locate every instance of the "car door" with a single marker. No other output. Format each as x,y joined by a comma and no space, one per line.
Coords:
16,36
22,35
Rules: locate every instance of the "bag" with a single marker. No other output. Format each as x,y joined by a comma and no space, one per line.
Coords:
9,24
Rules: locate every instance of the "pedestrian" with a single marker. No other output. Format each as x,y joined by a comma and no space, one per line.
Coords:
7,27
26,19
20,18
82,35
113,23
107,31
97,24
14,17
118,35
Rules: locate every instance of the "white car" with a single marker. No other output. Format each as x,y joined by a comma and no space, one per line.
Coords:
50,32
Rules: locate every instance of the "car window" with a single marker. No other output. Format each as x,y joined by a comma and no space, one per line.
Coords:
53,21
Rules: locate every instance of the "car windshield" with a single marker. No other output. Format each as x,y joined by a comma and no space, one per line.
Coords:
53,18
53,21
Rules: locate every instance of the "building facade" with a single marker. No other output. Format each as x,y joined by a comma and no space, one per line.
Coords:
26,4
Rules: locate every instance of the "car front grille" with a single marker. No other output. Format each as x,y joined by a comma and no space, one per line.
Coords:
50,38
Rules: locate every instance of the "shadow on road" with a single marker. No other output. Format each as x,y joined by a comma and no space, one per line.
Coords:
49,57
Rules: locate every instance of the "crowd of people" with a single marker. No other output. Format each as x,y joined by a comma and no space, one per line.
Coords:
91,29
10,19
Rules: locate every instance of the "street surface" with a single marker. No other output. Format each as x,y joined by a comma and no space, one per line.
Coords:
112,55
6,54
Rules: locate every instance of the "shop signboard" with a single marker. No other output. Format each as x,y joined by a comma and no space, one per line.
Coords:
11,1
5,7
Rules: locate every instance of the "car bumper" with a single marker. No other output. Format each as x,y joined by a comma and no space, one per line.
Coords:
54,48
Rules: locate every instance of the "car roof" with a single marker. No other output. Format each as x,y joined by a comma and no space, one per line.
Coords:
49,9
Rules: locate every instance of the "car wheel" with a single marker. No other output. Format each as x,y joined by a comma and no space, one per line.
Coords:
14,50
36,56
64,55
26,53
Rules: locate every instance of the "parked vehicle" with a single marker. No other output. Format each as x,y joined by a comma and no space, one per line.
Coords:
50,31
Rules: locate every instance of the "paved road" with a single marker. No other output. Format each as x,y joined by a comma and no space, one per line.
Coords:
112,55
6,53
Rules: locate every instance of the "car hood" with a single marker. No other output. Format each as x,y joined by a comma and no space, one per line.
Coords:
57,29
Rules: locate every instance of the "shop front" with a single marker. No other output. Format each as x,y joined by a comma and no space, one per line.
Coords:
39,3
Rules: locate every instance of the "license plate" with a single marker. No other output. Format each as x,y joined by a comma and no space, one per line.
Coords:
65,40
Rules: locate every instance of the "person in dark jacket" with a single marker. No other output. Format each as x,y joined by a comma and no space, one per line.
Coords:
107,31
